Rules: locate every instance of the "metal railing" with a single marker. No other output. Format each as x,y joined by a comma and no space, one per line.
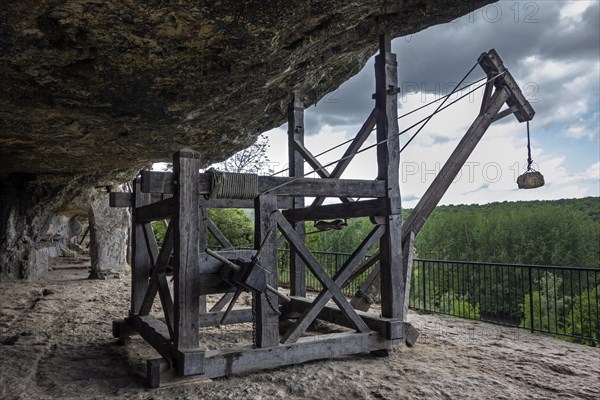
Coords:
563,301
560,301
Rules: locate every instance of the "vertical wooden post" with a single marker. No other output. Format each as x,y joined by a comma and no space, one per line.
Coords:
141,262
202,245
388,162
267,320
296,168
188,230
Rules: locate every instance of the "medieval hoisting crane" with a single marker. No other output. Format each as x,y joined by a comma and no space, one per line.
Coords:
184,196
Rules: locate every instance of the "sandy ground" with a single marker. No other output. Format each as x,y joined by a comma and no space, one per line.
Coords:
56,343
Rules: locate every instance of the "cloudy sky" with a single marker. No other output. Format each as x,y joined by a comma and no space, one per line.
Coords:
551,49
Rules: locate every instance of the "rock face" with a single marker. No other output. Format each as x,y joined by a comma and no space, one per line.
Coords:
108,238
93,90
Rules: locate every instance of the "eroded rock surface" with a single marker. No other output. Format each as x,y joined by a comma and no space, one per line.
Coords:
93,90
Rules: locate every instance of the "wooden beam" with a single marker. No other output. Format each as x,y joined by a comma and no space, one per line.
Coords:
141,262
294,186
387,327
365,208
187,229
312,187
265,239
310,159
219,363
218,235
226,298
318,271
339,279
408,252
296,170
351,151
505,113
388,166
156,211
374,259
213,318
120,199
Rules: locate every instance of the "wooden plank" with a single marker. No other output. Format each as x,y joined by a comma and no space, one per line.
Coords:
282,203
505,113
316,165
325,295
365,295
351,151
120,199
187,229
313,187
318,271
294,186
218,235
387,327
151,244
310,159
155,333
156,211
226,298
365,208
219,363
388,166
265,239
141,263
213,318
408,252
374,259
296,169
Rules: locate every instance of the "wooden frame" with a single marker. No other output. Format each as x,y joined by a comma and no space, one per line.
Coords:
178,196
279,205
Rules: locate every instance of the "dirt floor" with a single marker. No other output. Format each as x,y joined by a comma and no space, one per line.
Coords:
56,343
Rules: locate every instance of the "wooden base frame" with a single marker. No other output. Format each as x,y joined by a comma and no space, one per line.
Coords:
279,207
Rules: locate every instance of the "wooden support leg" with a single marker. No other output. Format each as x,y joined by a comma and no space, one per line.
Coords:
267,318
189,239
388,162
296,169
141,263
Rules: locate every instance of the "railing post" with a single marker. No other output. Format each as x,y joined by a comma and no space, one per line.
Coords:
531,299
423,264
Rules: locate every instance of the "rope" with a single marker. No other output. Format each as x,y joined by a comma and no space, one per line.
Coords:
226,185
399,118
385,140
440,106
529,159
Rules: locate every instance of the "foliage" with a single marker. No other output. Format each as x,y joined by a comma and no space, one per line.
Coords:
584,317
235,224
253,159
542,232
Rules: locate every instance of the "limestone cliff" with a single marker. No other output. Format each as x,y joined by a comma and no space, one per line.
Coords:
92,90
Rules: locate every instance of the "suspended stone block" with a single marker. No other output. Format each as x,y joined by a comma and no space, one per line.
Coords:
530,180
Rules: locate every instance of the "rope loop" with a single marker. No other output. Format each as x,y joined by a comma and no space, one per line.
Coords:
227,185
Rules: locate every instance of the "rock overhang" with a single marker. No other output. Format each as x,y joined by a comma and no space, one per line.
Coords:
98,89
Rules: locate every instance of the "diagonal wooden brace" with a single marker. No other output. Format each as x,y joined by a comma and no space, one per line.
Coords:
339,279
296,242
